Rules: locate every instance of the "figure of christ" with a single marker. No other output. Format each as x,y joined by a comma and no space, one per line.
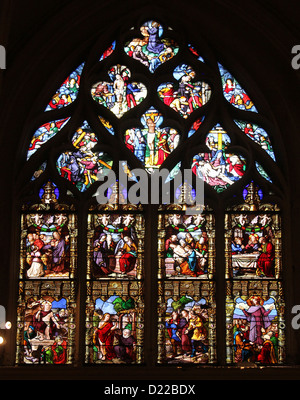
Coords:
257,315
252,246
186,257
213,176
57,245
119,89
44,321
151,139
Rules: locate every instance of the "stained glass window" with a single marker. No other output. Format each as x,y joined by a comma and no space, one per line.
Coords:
115,280
151,50
47,301
147,103
185,95
234,93
82,166
44,133
120,94
254,301
186,303
153,143
219,168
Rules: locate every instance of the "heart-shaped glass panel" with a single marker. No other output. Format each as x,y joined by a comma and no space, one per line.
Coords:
120,94
219,168
151,50
185,96
234,93
153,143
82,166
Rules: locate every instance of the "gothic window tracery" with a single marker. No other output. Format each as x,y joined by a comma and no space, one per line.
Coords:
161,105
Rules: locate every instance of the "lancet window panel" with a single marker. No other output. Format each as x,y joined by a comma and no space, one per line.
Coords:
186,286
255,300
115,285
47,280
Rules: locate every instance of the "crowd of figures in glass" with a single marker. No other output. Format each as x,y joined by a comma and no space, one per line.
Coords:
82,166
45,328
186,323
234,93
255,331
46,246
114,323
67,92
254,303
114,312
45,320
44,133
184,250
153,143
184,96
253,238
253,246
258,135
151,50
220,168
166,113
115,246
